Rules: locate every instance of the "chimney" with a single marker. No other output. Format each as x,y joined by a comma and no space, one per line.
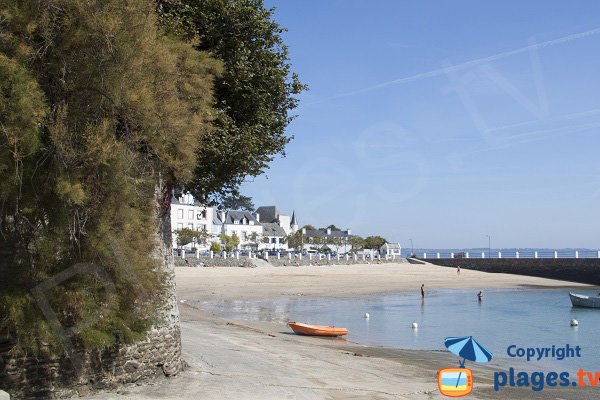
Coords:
329,231
304,231
348,232
257,216
222,216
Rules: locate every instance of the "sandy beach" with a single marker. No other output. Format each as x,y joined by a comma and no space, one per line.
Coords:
232,359
340,280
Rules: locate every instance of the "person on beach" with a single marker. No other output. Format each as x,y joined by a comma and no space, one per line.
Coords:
480,295
458,270
423,291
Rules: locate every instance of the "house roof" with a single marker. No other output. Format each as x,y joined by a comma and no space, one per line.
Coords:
392,245
233,215
268,213
272,229
320,233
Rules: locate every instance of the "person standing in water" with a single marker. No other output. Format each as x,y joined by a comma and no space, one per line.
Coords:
480,295
423,291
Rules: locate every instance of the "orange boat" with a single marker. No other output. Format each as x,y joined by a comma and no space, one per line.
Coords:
316,330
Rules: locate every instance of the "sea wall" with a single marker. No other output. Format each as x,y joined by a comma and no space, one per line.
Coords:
582,270
283,262
77,372
157,354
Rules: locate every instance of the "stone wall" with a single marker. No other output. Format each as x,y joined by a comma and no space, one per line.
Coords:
157,354
284,261
583,270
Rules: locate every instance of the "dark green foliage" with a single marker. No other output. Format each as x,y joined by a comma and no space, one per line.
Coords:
332,227
237,202
374,242
254,96
99,114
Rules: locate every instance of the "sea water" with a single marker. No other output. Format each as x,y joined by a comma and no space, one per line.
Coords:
525,318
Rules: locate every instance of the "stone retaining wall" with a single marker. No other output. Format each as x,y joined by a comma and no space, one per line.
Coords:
284,261
157,354
582,270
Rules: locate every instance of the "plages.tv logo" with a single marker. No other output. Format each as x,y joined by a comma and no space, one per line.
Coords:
458,382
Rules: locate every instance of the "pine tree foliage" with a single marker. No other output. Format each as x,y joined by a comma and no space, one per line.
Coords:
98,110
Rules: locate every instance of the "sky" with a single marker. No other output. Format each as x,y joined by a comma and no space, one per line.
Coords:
443,122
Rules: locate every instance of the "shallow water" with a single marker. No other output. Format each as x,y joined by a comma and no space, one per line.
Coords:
526,318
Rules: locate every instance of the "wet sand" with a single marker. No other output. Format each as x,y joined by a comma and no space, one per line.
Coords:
250,360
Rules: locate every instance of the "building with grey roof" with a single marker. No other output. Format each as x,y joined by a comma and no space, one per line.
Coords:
241,223
272,215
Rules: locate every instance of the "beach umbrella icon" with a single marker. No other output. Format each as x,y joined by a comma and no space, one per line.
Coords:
467,348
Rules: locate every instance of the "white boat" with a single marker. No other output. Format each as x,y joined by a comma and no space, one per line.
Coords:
580,300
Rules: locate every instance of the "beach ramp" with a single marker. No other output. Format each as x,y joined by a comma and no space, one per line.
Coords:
259,262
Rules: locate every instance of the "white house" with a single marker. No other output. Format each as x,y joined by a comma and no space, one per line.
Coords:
241,223
188,213
273,237
390,249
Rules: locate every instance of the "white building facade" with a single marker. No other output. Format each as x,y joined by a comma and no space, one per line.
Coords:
243,224
390,250
187,213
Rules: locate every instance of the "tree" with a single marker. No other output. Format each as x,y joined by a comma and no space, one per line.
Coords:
374,242
309,228
255,239
215,247
357,242
202,236
332,227
185,236
229,241
295,240
100,114
237,202
254,96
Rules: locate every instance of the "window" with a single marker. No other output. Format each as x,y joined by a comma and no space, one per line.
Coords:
180,226
201,227
244,236
273,240
236,222
180,213
191,214
201,215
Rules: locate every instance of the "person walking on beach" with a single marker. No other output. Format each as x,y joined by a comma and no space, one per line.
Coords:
423,291
458,270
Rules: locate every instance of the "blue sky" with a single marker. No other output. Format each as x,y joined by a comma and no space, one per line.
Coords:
444,121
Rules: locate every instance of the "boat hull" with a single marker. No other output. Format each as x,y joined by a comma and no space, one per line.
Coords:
316,330
579,300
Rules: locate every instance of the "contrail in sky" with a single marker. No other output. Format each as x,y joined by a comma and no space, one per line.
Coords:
467,64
